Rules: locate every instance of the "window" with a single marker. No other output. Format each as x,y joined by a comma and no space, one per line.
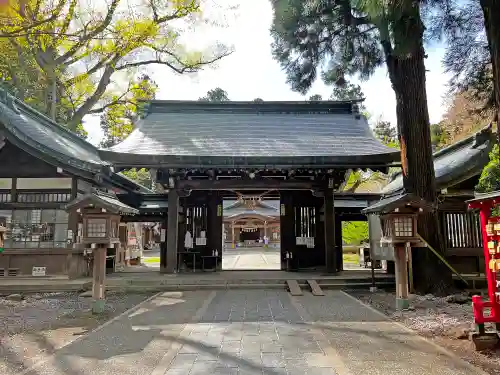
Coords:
5,197
35,228
403,226
43,197
96,228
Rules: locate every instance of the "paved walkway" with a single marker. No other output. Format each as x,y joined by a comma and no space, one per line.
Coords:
251,258
251,332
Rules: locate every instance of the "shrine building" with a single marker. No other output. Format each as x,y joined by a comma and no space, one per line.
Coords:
224,172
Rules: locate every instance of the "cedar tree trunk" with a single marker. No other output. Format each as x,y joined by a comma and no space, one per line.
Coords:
491,12
405,63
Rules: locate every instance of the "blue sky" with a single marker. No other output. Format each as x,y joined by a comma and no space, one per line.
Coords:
251,72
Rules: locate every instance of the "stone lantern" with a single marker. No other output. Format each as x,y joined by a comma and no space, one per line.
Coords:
398,216
101,213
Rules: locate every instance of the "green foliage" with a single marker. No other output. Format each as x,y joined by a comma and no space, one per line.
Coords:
315,98
490,177
258,100
439,136
385,131
215,95
354,232
467,57
77,57
346,91
141,176
317,38
117,121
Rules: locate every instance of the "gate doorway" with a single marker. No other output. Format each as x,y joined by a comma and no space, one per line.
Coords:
251,234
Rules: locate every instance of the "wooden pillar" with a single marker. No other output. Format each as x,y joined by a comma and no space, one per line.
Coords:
98,279
172,232
338,243
72,269
163,244
330,258
214,224
401,277
287,229
232,234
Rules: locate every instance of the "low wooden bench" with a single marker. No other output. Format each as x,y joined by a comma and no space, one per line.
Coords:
294,288
315,288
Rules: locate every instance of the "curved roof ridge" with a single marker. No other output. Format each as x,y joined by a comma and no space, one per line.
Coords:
17,105
455,163
27,129
196,133
478,138
267,205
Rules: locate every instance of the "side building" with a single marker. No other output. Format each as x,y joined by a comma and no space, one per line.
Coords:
43,166
458,168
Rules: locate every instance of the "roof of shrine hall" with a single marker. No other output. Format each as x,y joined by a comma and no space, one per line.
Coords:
238,208
242,134
455,163
46,140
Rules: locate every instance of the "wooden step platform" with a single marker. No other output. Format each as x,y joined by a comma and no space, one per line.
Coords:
293,287
315,288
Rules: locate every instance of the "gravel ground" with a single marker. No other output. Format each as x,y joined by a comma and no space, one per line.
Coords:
448,324
39,324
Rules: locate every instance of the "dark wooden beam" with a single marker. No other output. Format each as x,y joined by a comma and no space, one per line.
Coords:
240,184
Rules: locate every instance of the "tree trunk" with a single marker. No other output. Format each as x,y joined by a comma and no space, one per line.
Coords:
491,12
406,68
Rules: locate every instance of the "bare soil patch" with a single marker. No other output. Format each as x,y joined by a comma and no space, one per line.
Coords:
442,320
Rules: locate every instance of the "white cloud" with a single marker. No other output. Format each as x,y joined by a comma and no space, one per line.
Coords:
251,71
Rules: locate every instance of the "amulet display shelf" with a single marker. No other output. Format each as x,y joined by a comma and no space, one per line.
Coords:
488,311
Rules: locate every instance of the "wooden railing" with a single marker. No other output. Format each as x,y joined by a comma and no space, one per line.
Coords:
462,233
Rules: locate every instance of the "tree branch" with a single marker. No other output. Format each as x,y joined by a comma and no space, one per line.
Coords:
180,70
91,101
25,28
85,38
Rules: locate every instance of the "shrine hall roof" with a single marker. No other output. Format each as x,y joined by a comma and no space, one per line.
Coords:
43,138
231,134
455,163
233,208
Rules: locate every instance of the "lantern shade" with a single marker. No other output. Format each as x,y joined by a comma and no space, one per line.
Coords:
103,200
398,215
101,213
402,202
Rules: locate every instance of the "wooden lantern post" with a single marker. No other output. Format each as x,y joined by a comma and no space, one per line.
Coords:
2,238
398,215
101,213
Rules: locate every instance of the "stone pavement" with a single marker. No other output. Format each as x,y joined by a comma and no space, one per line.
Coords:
251,258
251,332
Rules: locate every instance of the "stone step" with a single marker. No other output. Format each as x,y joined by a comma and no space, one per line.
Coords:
43,288
315,288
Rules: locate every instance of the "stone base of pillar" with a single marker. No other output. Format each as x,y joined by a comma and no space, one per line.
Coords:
402,303
98,306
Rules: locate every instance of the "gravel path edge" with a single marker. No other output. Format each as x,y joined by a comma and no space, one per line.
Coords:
96,329
438,347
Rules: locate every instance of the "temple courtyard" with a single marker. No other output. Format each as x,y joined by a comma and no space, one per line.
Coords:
246,258
247,332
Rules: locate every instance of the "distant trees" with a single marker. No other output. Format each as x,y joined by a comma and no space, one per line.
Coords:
215,95
315,98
